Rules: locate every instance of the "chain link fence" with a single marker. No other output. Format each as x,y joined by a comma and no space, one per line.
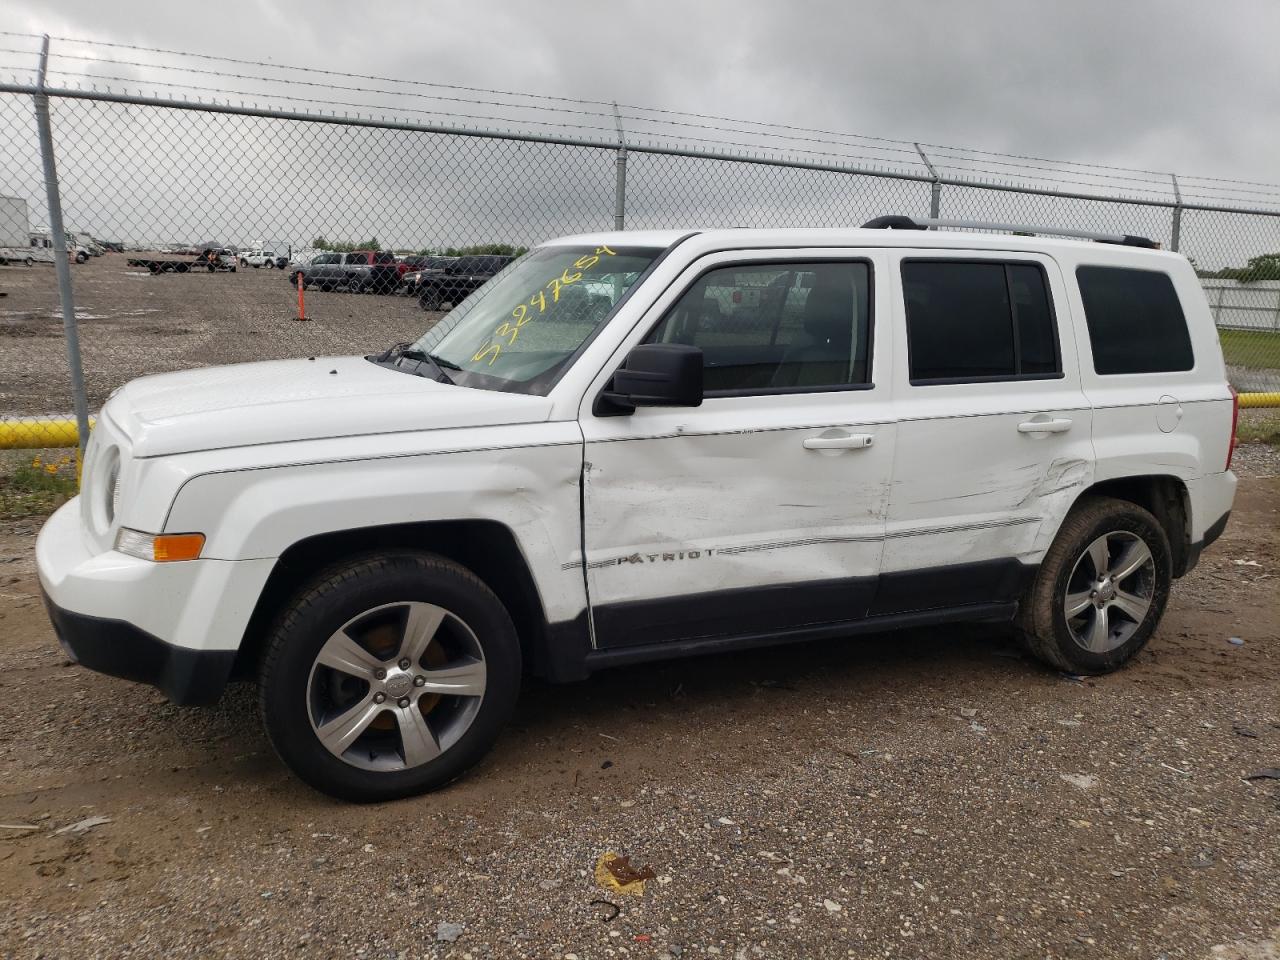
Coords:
186,223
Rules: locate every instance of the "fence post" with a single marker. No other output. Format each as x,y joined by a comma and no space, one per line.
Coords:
61,262
1177,214
620,187
935,188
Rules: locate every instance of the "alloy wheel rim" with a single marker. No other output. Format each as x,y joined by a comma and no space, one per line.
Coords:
396,686
1110,591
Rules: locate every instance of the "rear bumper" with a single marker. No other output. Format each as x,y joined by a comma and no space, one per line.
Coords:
119,649
1211,500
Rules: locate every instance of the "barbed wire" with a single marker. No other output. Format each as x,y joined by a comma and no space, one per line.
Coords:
778,138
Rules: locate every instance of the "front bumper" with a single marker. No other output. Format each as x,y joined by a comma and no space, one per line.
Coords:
175,625
119,649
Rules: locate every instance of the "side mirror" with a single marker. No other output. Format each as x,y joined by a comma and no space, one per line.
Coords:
655,375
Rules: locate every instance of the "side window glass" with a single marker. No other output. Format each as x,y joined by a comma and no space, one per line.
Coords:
769,327
978,321
1135,321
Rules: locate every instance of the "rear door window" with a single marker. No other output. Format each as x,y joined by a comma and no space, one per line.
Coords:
978,320
1136,323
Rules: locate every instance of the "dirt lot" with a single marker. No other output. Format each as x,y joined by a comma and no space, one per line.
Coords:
133,323
925,794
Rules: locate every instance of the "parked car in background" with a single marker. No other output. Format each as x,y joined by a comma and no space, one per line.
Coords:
262,258
458,280
358,271
384,273
418,267
330,271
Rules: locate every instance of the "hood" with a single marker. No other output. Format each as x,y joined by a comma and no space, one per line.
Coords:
283,400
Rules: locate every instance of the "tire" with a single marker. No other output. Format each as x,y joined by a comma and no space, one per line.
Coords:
270,264
429,299
357,286
30,261
244,263
336,616
1116,615
81,257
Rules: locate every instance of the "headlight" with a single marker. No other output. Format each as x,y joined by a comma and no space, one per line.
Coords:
159,547
105,488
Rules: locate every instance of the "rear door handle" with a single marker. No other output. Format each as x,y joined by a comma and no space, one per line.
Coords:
1059,425
850,441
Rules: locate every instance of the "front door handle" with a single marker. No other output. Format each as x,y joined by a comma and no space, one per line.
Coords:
1058,425
848,441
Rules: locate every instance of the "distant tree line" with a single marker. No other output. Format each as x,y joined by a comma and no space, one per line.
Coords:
477,249
1263,267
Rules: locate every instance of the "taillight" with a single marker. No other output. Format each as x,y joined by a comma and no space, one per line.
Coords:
1235,420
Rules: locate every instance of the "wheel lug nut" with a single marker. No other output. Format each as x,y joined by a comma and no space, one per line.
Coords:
419,681
380,674
404,663
404,701
379,697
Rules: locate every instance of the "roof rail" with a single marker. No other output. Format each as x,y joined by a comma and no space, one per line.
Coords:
911,223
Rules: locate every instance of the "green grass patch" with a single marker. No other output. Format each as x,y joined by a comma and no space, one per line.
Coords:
37,486
1255,349
1259,426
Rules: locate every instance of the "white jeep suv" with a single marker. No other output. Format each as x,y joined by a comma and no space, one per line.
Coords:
634,446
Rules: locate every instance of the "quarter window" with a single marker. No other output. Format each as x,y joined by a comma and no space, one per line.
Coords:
1135,321
978,321
766,328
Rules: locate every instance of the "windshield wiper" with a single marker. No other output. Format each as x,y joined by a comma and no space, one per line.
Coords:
422,356
437,360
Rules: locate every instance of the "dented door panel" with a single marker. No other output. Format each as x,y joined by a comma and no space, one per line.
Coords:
974,480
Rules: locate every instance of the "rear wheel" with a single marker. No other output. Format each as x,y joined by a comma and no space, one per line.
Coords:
30,261
1101,590
430,299
389,676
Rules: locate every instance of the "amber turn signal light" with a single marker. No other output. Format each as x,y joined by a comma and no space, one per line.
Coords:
177,546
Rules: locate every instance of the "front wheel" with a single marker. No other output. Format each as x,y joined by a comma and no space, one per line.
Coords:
390,675
1101,590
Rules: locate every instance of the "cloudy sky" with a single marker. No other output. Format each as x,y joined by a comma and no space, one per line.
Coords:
1186,86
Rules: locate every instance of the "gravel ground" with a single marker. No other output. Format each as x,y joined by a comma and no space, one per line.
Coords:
921,794
133,323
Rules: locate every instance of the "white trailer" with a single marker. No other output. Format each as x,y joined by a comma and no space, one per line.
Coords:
15,232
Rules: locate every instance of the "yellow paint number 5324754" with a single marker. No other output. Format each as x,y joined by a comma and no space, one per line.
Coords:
509,331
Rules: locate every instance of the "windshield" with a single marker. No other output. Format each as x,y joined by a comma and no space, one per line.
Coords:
518,331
